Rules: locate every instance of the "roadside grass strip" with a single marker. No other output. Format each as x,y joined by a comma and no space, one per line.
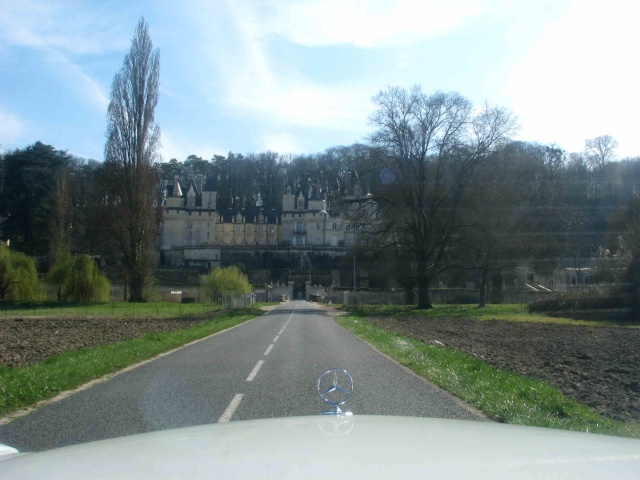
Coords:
107,309
503,396
23,387
509,312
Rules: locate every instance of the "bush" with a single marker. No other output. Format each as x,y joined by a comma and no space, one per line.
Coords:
18,276
86,283
229,280
79,280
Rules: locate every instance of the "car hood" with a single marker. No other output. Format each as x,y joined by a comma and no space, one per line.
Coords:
340,447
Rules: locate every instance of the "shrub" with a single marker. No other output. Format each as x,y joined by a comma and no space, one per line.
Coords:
86,283
229,280
18,276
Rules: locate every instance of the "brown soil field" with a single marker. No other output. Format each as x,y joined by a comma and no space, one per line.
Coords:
25,341
597,366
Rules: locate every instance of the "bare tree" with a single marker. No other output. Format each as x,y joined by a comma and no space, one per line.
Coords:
132,145
600,151
432,144
268,177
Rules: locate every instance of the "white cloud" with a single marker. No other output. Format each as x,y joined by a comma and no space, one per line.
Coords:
580,80
298,103
253,84
251,81
282,143
365,23
70,26
179,146
12,128
84,85
62,31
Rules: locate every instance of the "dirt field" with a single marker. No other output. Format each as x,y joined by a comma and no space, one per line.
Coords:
31,340
598,366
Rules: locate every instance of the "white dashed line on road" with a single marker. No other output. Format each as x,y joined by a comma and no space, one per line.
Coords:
280,332
268,350
228,413
276,339
255,371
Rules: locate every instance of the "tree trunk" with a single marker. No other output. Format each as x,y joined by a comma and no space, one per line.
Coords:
483,288
633,278
137,288
135,293
496,288
424,301
408,295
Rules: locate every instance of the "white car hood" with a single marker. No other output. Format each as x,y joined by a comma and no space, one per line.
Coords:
340,447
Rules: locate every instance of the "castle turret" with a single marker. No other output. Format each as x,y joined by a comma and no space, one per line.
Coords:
288,200
175,199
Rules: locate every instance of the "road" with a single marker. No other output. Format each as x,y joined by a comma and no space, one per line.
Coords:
264,368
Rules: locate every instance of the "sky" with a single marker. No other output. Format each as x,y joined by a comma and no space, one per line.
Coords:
298,76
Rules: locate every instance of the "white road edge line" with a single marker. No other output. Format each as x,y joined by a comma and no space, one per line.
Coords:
228,413
255,371
268,350
276,339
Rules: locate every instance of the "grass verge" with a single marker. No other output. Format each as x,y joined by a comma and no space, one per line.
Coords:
509,312
106,309
503,396
23,387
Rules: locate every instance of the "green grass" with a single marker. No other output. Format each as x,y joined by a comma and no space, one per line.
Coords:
501,395
23,387
107,309
509,312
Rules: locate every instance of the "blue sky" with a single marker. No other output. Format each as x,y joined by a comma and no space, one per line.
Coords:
298,76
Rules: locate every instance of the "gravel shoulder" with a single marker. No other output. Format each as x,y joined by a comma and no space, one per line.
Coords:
597,366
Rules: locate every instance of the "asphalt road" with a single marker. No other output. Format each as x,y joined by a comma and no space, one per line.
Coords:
265,368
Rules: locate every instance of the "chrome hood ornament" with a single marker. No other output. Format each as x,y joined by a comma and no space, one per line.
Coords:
335,387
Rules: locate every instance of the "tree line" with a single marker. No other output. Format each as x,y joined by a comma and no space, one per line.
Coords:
524,200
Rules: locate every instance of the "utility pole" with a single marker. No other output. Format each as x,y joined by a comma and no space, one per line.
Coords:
266,285
355,242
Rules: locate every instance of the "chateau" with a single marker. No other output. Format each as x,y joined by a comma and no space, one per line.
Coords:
304,244
195,233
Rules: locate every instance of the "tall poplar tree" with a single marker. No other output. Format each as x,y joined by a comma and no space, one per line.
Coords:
133,140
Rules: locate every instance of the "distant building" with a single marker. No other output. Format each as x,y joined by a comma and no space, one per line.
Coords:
193,225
